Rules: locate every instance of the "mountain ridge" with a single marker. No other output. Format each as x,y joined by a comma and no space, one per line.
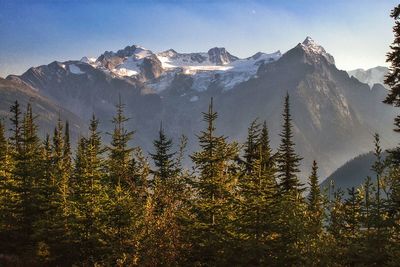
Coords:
334,114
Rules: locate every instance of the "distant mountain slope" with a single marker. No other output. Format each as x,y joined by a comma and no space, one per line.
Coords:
370,76
46,110
353,173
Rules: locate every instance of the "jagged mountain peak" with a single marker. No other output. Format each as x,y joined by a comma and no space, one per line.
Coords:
135,51
260,55
220,56
314,49
168,53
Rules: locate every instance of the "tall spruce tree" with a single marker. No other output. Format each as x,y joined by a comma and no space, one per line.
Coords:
251,145
162,243
287,160
3,151
213,187
268,163
392,79
290,205
163,157
315,200
257,190
22,207
89,194
315,219
120,154
124,207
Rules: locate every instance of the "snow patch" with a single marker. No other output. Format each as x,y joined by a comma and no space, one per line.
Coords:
75,69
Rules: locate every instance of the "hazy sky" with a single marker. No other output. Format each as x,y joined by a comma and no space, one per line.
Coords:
356,32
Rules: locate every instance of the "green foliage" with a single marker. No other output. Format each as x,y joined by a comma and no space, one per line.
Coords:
287,160
92,208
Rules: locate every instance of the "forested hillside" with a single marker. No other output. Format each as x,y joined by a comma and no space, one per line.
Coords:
241,204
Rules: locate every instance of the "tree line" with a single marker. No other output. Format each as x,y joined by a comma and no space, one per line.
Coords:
240,205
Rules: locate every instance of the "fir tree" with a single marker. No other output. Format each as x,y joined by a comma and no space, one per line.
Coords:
163,157
89,195
120,154
392,79
251,152
124,206
16,130
266,155
211,207
3,151
22,208
255,211
287,160
315,200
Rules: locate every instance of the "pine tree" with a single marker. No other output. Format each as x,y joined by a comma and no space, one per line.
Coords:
336,228
251,146
255,211
392,79
213,187
67,158
287,160
162,242
315,215
16,130
163,157
22,205
291,207
3,151
5,182
315,200
353,218
120,154
124,206
268,163
89,194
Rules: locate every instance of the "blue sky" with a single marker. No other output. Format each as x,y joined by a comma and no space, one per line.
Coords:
356,32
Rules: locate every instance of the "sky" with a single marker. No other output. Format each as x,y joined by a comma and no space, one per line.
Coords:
356,32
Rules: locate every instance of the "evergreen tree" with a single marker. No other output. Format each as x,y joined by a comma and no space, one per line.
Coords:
67,158
287,160
5,181
162,242
251,152
89,195
124,207
290,205
3,151
163,158
267,158
392,79
120,154
255,211
213,188
21,209
315,201
16,130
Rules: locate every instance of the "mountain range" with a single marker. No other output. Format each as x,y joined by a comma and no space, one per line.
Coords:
334,114
370,76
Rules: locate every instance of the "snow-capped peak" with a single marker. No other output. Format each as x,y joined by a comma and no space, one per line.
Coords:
216,66
310,46
88,60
